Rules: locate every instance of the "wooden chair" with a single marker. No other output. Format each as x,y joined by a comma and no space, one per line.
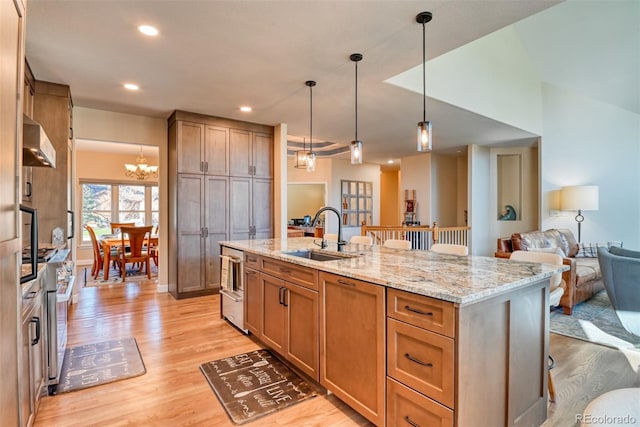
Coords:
116,226
556,291
97,252
138,237
446,248
397,244
364,240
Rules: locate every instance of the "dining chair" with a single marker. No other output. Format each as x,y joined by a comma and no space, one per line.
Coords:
556,291
397,244
97,252
365,240
138,237
116,226
451,249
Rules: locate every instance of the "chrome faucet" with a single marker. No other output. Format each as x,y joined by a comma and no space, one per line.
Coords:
323,243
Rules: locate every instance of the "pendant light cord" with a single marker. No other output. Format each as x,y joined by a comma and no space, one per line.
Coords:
356,100
424,80
310,119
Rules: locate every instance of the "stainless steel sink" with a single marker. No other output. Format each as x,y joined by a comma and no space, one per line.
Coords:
318,255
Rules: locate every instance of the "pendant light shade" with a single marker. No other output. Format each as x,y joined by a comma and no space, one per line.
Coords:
301,156
311,156
424,127
356,144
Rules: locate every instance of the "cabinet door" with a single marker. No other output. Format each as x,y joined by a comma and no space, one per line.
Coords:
26,401
216,150
352,343
191,275
302,329
190,148
274,313
252,302
215,216
262,208
239,208
262,155
240,160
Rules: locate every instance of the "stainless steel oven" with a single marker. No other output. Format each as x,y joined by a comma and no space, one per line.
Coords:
232,287
58,285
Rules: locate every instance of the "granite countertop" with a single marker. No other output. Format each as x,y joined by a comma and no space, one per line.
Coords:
461,280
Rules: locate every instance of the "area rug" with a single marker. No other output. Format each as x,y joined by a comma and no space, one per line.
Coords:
132,275
90,365
252,385
594,320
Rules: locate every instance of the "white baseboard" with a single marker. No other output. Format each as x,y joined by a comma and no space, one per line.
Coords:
162,288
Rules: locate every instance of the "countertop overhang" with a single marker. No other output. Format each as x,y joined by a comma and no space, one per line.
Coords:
461,280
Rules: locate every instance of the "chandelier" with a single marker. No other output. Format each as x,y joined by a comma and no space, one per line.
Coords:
141,170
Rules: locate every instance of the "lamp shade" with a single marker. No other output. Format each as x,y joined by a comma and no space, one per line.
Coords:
579,197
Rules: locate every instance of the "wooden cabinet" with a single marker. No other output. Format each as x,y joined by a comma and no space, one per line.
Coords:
211,204
202,148
290,322
251,154
252,301
202,224
32,352
406,407
51,110
352,343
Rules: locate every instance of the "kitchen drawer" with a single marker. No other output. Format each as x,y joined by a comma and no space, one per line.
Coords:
406,407
31,293
303,276
251,260
425,312
422,360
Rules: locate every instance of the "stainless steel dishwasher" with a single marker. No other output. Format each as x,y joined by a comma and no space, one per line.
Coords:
232,287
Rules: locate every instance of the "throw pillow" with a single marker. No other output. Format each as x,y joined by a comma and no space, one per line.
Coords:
590,250
617,250
554,250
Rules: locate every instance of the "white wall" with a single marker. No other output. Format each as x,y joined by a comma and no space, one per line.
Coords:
587,142
462,191
416,175
444,190
479,189
118,127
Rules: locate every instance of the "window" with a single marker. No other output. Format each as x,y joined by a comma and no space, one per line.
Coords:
357,203
103,203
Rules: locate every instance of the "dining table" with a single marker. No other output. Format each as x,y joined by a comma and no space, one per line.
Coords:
109,241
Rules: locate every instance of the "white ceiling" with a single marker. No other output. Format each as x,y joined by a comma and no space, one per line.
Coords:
211,57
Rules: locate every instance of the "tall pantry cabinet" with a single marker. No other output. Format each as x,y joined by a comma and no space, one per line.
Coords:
220,188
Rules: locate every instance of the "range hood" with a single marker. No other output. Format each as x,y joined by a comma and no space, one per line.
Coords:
37,149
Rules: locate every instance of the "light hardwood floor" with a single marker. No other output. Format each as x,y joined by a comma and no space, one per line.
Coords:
176,336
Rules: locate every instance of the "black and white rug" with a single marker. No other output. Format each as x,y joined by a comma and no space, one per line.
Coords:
90,365
252,385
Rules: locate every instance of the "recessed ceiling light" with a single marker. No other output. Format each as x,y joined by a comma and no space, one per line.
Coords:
245,109
390,161
131,86
148,30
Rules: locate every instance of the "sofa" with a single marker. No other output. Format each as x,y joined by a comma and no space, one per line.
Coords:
582,280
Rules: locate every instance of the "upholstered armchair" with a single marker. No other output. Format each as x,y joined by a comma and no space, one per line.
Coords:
621,276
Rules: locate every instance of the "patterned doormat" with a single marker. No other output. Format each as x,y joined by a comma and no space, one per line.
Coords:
100,363
252,385
594,320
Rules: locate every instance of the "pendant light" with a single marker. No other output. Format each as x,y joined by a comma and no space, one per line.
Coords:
356,144
301,156
424,127
311,156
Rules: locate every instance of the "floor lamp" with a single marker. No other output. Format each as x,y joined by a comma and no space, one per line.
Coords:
579,198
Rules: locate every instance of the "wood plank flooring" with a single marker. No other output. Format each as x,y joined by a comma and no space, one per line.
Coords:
176,336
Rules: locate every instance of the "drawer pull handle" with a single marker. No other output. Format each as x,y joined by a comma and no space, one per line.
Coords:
249,259
344,282
284,270
411,423
30,295
418,361
415,310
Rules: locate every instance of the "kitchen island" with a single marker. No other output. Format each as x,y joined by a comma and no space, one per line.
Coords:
406,336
